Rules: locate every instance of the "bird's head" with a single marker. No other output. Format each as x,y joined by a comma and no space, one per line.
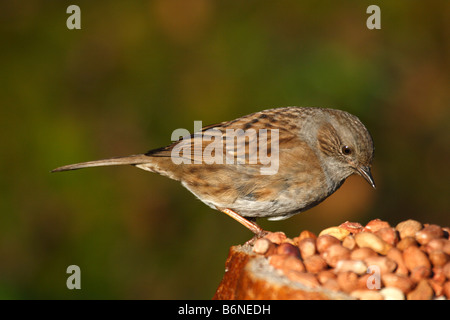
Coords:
346,146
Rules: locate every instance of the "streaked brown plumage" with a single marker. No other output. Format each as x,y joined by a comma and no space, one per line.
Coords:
318,149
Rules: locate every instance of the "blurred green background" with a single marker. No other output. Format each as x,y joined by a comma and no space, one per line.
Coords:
137,70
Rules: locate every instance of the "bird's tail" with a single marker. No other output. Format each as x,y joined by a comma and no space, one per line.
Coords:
128,160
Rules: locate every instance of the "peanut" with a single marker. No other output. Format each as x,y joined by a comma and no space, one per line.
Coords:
288,249
307,247
353,227
356,266
389,235
406,242
408,228
263,246
276,237
304,234
372,241
337,232
376,224
362,253
429,233
414,257
307,279
390,293
335,253
348,281
284,262
325,275
397,256
349,242
315,264
423,291
396,281
325,241
446,289
385,264
438,258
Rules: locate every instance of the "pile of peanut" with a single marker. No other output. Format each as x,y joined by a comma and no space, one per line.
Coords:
376,261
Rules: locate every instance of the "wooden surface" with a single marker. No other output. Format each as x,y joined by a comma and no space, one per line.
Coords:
250,276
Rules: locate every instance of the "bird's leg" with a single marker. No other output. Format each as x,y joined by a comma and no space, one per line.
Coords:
251,225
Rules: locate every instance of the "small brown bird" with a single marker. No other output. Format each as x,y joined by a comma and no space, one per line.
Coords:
269,164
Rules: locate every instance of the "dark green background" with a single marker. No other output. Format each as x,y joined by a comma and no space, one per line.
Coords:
137,70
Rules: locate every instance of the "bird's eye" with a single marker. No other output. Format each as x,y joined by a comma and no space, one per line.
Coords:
346,150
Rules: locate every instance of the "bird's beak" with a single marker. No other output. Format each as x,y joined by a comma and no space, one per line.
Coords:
366,174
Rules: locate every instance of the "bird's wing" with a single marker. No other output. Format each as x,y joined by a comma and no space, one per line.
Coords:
249,140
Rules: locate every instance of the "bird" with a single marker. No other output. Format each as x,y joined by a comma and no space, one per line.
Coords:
270,164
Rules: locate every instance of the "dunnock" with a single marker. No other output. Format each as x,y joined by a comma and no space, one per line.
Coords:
316,150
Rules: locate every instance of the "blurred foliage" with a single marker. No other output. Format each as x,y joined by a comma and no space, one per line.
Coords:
137,70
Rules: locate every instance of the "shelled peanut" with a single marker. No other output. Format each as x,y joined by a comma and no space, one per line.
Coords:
376,261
